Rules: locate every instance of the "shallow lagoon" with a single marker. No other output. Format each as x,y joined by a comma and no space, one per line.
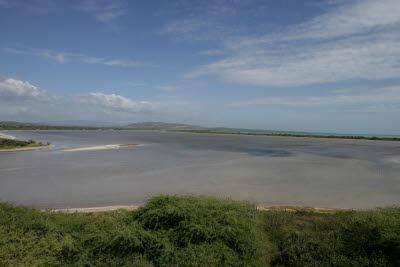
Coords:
269,170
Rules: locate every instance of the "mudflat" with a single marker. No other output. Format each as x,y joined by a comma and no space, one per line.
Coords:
269,170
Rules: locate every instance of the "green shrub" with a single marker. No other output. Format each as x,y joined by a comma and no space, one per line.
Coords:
210,229
11,143
363,238
199,231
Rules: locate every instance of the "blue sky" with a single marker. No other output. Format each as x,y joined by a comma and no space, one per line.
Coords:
329,66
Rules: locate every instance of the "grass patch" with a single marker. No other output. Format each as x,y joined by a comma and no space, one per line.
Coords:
199,231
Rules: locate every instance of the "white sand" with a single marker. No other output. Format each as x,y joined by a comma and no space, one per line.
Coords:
98,147
93,148
4,136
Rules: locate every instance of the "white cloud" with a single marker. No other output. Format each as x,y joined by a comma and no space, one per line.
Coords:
104,11
358,40
36,7
332,62
213,52
116,103
355,17
12,89
64,57
349,18
168,87
212,20
185,26
133,84
121,63
376,99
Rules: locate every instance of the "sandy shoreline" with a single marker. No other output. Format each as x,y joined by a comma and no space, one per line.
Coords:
25,148
116,146
134,207
4,136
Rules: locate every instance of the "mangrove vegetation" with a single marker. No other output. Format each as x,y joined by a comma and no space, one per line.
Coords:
11,144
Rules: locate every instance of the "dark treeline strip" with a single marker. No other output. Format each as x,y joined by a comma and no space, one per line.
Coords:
199,231
295,135
14,125
50,127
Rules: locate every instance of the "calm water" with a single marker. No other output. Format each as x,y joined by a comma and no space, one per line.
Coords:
268,170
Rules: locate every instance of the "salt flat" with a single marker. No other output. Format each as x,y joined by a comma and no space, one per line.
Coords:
334,173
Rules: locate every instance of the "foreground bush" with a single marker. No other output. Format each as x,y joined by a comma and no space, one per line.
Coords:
199,231
203,231
343,238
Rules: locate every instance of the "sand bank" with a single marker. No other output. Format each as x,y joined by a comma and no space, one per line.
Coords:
25,148
4,136
100,147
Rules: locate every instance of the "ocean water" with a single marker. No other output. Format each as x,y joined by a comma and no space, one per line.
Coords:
267,170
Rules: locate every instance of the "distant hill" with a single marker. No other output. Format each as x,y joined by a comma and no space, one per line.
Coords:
84,123
162,126
188,127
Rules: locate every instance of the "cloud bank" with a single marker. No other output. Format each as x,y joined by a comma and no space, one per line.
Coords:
106,12
12,89
21,98
358,40
65,57
379,99
116,103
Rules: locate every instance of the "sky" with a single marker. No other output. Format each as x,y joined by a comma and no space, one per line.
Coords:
312,65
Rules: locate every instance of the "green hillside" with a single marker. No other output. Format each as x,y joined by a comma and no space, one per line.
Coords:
161,126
